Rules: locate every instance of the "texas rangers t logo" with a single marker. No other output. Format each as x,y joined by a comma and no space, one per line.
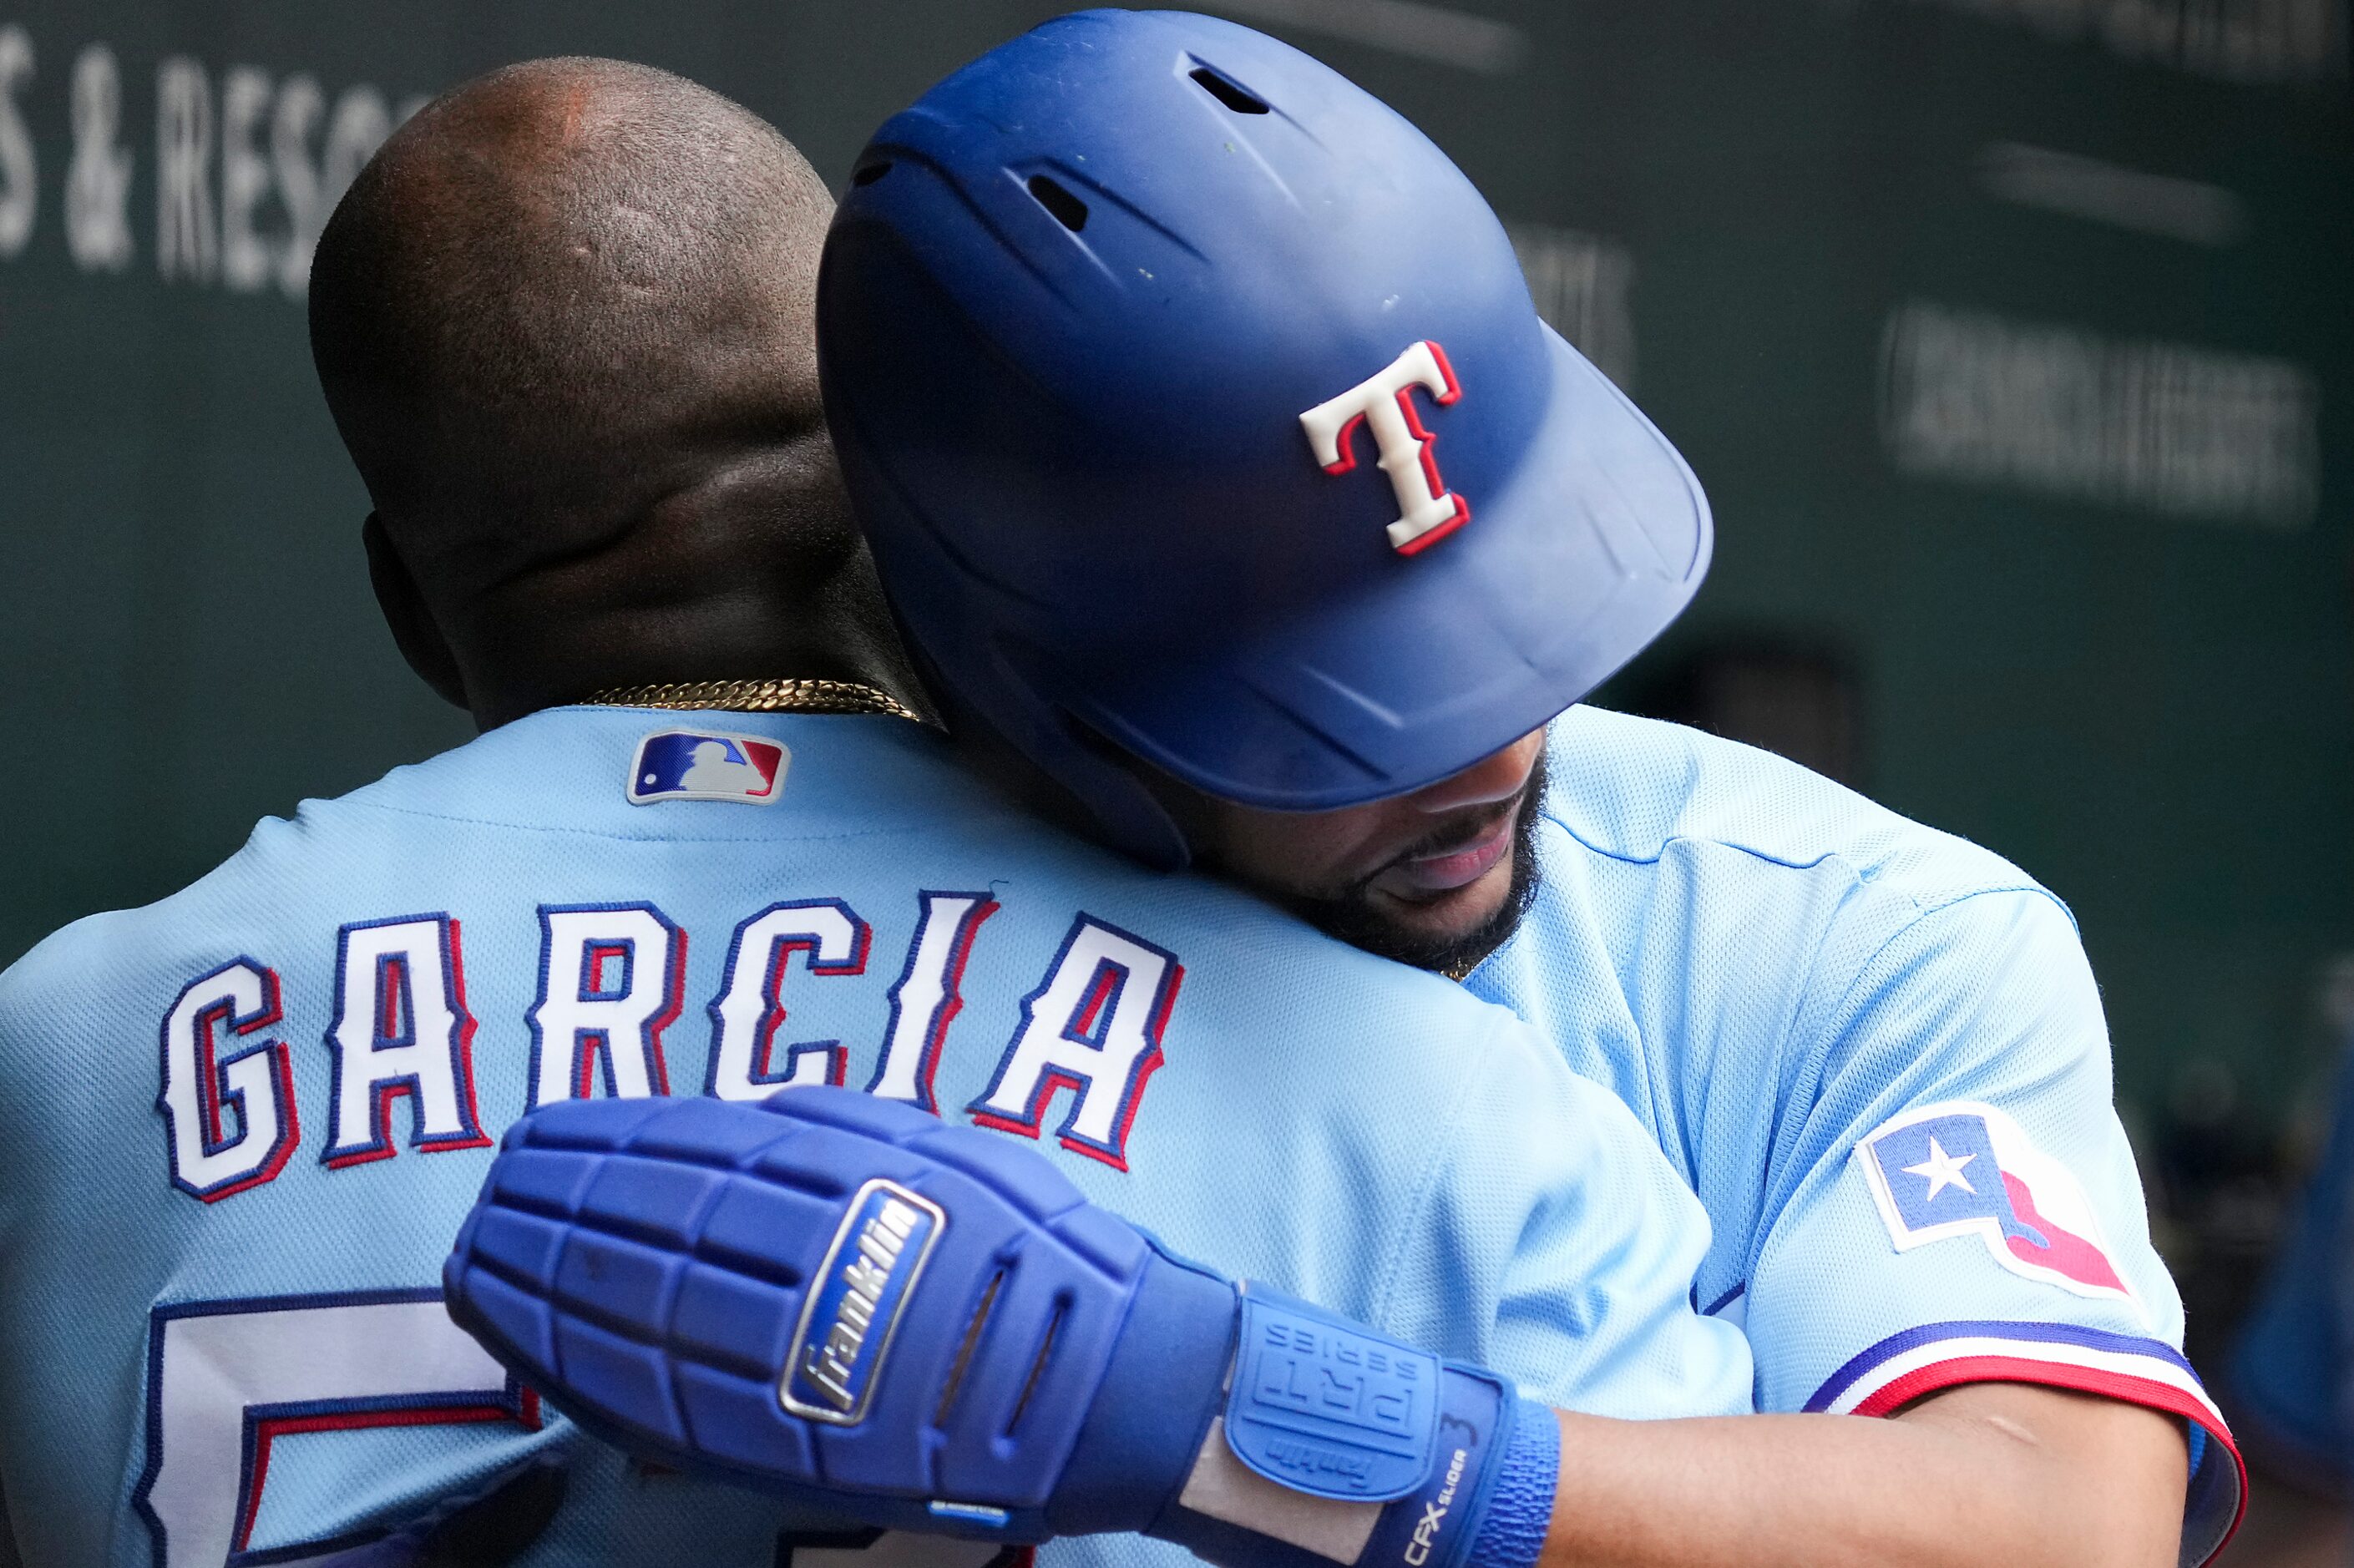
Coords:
1963,1169
1428,510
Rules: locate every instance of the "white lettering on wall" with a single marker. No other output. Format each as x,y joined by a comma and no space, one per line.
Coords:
2235,40
361,124
2100,192
245,262
2159,426
1583,287
301,108
249,165
20,173
97,180
187,236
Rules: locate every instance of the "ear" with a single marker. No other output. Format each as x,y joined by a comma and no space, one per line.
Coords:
413,629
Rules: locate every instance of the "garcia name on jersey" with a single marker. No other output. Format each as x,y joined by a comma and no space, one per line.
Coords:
611,986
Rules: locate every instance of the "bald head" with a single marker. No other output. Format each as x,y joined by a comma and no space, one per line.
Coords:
565,321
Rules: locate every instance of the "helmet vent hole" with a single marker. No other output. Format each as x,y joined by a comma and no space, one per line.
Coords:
1227,93
871,173
1068,210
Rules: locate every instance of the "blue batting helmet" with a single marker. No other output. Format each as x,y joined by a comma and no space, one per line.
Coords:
1191,396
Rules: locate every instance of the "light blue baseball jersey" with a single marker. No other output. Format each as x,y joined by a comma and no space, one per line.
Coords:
238,1128
1877,1053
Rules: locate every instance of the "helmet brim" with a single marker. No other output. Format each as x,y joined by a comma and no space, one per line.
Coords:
1437,659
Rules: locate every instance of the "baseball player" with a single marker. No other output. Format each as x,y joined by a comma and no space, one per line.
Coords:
564,322
1219,467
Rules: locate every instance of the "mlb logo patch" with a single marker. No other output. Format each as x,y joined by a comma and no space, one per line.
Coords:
1967,1170
708,765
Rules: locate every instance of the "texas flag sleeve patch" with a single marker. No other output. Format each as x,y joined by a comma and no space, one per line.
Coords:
1968,1170
706,765
1966,1174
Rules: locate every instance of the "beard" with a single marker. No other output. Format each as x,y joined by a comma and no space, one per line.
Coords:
1354,916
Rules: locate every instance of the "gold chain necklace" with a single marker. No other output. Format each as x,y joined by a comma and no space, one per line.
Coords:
777,696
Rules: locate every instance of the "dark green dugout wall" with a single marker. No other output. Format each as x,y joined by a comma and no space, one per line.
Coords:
2011,337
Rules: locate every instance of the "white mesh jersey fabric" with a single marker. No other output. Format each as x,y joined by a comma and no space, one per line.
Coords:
1807,998
238,1128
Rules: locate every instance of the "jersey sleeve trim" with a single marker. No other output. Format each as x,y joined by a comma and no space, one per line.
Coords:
1903,1367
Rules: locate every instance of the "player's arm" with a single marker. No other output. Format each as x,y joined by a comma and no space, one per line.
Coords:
706,1289
919,1326
2080,1481
666,1271
1954,1238
1981,1474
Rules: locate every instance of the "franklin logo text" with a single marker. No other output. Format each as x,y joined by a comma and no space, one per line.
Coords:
845,1330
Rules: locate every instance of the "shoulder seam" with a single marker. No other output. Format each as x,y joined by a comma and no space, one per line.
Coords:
1921,913
1855,979
1924,910
1627,858
1441,1147
1862,878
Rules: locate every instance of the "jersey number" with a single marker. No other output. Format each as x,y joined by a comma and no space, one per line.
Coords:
226,1379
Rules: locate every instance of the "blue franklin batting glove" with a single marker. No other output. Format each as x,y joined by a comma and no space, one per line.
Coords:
922,1327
